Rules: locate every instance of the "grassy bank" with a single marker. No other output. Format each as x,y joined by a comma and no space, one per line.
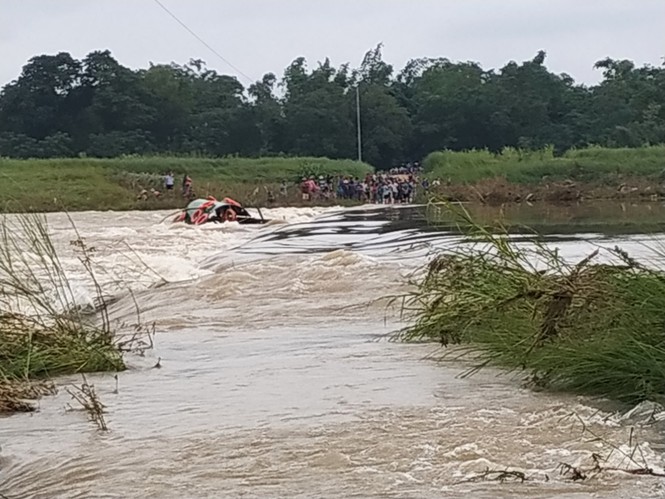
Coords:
114,184
44,330
593,165
583,327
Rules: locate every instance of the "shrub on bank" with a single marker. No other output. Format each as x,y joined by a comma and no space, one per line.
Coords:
44,330
584,327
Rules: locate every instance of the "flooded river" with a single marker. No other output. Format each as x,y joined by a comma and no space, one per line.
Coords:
277,379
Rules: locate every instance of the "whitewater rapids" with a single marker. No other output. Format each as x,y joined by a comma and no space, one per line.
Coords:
277,379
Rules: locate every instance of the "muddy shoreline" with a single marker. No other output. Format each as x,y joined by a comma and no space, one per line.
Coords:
490,192
499,191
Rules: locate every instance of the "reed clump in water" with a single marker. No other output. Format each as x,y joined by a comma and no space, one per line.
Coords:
584,327
86,396
44,330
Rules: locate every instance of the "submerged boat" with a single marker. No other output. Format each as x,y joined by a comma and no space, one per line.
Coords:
210,210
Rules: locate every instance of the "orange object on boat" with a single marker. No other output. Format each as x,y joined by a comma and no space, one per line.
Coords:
232,202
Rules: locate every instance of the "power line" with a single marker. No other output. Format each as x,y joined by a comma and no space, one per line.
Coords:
202,40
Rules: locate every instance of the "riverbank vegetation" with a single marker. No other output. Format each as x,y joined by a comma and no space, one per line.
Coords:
117,183
502,131
45,330
60,106
586,327
510,177
518,176
599,165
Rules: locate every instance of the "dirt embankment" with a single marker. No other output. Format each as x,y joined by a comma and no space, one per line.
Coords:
500,191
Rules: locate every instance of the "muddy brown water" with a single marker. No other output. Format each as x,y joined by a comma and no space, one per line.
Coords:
277,379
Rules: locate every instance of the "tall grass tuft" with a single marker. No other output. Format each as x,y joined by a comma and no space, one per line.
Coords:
586,327
44,329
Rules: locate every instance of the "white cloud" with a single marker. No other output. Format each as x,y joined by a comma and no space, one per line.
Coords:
258,36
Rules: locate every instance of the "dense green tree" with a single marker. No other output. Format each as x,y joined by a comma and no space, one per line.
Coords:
38,101
59,106
628,107
541,114
449,104
317,111
111,100
268,115
221,119
385,124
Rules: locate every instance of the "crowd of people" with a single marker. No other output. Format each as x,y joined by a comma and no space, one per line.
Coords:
407,169
397,185
392,187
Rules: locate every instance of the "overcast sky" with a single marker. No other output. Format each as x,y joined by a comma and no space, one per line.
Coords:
258,36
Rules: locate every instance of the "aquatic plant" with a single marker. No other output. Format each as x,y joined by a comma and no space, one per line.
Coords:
45,329
86,396
586,327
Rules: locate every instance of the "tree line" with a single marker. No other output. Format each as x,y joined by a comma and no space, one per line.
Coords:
61,107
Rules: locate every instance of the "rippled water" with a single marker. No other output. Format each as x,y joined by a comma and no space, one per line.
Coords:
277,379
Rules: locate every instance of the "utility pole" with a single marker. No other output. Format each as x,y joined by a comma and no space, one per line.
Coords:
360,140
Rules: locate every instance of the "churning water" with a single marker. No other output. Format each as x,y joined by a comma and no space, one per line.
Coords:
277,379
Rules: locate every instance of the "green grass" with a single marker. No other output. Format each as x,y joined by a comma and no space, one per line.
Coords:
45,352
593,164
582,327
230,169
113,184
44,331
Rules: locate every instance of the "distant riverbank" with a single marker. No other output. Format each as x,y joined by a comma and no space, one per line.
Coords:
129,183
512,177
